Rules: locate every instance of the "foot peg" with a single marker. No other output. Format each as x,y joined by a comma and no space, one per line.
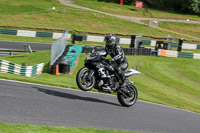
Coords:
107,89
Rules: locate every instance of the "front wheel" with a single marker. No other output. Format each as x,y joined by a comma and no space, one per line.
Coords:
82,79
128,101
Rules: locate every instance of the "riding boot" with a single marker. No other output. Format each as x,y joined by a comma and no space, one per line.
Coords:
106,86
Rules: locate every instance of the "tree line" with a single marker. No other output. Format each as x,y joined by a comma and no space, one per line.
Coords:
183,6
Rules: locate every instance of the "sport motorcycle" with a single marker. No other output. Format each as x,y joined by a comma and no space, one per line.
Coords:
99,73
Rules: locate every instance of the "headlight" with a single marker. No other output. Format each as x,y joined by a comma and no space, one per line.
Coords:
89,58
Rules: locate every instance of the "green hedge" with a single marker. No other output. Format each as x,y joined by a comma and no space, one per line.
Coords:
186,6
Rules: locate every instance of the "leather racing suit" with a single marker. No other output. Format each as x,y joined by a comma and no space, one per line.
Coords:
117,55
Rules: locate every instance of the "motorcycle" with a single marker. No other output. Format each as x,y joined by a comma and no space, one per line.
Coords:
99,74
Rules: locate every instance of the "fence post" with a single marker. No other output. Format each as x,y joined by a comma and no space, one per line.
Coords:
132,45
80,13
33,11
64,10
49,10
16,11
180,42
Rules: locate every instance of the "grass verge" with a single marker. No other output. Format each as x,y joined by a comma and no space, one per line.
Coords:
186,28
27,128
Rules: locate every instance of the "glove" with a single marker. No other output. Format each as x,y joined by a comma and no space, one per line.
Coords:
103,57
110,61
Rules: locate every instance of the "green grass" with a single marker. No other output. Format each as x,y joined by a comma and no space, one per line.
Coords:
190,51
38,15
170,81
182,28
27,128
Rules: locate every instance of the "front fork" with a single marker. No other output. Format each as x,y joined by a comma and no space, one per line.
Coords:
90,74
128,82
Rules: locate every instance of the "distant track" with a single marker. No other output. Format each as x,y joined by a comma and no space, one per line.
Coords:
20,45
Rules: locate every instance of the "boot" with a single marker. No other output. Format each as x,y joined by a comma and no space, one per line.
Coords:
106,85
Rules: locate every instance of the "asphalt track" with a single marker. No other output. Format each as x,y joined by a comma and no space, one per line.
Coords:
46,105
20,45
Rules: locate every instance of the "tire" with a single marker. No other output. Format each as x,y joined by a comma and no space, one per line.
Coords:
82,82
127,102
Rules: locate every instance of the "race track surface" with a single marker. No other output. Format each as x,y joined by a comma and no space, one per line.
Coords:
20,45
46,105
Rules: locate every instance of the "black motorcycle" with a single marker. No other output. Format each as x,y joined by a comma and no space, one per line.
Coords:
98,73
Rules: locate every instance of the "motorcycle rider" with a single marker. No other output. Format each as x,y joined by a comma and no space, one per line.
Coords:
117,55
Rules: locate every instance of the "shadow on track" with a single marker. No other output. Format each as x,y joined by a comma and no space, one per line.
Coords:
71,96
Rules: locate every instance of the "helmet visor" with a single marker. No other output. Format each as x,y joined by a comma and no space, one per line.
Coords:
109,42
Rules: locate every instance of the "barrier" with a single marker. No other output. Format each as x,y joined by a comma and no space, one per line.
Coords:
72,54
87,38
169,53
28,71
127,51
137,51
8,53
59,49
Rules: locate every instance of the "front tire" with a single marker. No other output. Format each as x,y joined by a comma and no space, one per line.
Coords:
128,101
82,82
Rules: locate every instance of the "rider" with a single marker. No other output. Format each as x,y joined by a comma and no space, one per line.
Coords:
117,55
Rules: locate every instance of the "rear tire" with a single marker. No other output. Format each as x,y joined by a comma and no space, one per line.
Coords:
126,101
81,79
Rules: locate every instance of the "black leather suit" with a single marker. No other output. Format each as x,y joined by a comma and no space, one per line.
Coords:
118,56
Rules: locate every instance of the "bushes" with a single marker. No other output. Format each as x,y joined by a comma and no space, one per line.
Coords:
126,2
186,6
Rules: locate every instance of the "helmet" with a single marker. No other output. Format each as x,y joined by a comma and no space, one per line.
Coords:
110,40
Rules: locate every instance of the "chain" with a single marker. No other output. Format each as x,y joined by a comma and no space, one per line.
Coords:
123,94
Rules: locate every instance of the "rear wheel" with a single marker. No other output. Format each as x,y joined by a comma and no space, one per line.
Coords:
128,101
82,81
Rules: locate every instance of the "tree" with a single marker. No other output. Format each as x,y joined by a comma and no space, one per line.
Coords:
190,6
185,6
